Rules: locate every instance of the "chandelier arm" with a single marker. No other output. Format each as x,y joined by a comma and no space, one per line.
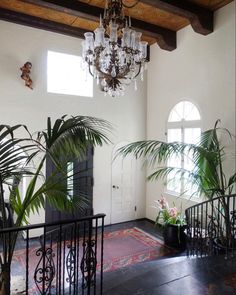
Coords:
90,72
140,65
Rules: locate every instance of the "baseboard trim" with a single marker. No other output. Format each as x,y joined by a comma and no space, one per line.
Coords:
133,220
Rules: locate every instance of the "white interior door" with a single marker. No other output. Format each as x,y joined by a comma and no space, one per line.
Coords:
123,188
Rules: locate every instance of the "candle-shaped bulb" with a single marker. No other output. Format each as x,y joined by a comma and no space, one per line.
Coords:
129,21
100,20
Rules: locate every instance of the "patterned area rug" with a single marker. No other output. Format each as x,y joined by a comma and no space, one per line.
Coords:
121,248
130,246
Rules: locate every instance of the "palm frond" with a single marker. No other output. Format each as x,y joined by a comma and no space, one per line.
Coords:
71,136
54,189
206,157
15,153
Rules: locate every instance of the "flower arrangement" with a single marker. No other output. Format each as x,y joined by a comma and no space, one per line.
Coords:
168,215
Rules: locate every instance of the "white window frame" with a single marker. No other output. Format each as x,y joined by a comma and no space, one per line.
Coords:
74,90
182,124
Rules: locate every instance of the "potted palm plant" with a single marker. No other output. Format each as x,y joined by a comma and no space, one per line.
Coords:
208,176
66,138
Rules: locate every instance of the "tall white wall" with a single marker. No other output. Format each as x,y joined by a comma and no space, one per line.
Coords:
18,104
202,70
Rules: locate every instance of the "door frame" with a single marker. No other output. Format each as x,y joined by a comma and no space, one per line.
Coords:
88,211
116,146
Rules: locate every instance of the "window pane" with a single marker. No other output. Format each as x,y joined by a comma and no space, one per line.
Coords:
173,180
173,183
184,110
192,135
190,189
174,135
65,75
174,117
191,113
176,114
70,179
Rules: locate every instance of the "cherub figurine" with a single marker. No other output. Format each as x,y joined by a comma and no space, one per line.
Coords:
25,74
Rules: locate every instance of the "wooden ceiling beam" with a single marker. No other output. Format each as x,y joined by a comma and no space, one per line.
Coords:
40,23
201,19
47,25
165,38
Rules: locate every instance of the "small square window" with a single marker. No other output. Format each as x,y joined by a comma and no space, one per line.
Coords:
65,75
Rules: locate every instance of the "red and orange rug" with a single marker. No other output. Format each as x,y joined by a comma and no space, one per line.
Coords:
130,246
122,248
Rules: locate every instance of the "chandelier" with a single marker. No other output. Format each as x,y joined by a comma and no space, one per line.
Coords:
114,54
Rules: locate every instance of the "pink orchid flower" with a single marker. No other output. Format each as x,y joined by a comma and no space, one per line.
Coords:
163,203
173,212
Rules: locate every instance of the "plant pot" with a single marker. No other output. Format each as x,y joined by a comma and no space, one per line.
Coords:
174,236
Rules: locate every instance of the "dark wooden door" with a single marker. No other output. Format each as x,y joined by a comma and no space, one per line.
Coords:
82,183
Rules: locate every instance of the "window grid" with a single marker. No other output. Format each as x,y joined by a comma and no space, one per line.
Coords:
190,131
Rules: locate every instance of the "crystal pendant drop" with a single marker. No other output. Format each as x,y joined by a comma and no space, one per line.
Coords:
113,72
115,54
135,85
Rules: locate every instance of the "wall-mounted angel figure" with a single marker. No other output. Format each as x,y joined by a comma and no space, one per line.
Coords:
25,74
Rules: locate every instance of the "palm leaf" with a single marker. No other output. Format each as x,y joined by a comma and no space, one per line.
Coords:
71,136
14,153
54,189
206,156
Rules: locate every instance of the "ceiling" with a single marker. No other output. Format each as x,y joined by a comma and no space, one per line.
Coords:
158,20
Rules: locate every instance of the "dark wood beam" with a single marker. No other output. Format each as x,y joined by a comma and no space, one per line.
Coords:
47,25
39,23
165,38
201,19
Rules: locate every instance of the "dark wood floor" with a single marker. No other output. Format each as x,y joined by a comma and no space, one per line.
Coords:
173,275
143,224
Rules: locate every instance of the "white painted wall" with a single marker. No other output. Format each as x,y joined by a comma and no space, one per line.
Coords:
19,104
202,70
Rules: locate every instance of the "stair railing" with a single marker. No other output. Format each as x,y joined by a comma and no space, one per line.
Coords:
66,259
211,227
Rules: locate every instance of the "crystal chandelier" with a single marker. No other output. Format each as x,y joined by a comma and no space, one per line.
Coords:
116,56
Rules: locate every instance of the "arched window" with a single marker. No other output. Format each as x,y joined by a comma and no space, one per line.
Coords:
184,125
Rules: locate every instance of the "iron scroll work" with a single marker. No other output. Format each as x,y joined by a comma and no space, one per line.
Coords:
69,260
88,264
211,227
45,270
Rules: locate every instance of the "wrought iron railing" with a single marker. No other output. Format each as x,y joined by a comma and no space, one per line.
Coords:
211,227
66,259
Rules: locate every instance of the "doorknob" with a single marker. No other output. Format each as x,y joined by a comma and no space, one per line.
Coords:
115,186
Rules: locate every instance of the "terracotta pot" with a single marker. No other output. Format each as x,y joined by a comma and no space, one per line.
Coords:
174,236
